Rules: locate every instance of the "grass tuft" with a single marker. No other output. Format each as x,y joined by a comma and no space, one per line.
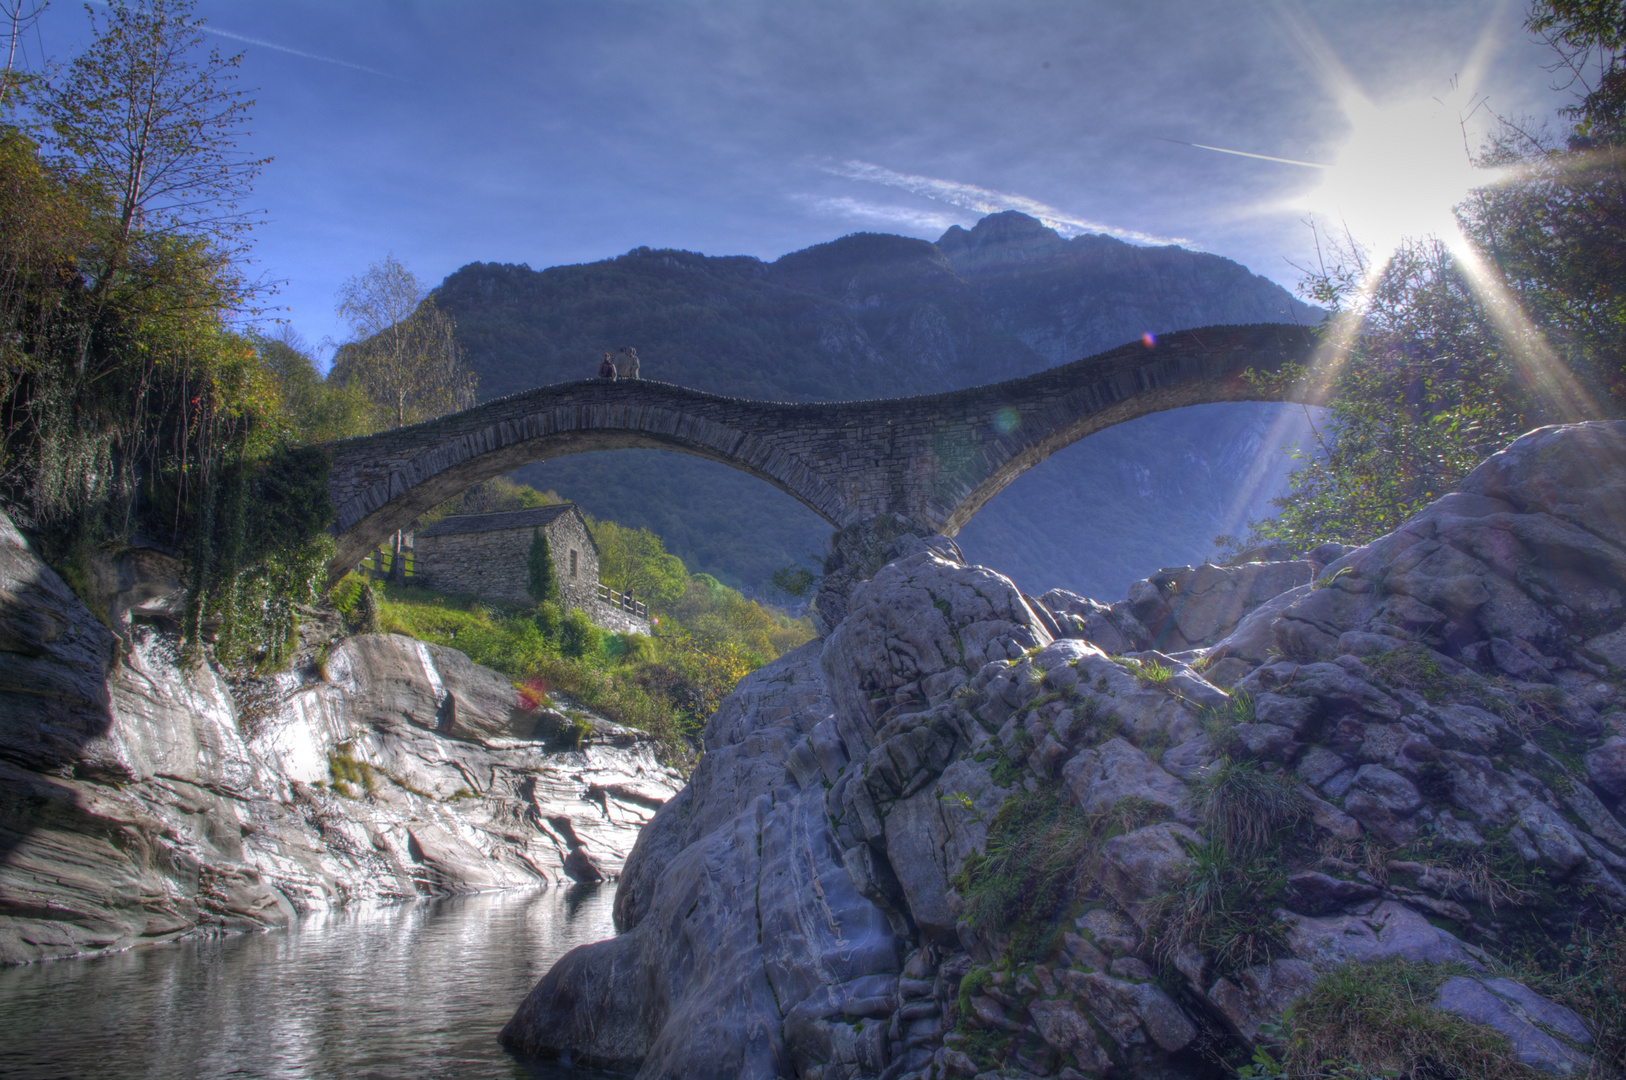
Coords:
1378,1020
1244,807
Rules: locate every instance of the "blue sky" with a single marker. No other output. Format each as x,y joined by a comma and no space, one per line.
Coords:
560,132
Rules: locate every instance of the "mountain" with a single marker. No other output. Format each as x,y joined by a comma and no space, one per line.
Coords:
874,315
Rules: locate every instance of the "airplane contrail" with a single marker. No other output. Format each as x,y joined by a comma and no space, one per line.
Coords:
1244,153
292,52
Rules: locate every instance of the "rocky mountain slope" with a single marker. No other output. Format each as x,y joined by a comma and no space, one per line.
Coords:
973,833
868,316
143,797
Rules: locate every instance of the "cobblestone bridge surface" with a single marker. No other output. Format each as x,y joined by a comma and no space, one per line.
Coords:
934,460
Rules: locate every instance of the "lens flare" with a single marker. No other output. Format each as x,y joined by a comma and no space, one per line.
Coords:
1007,420
1149,340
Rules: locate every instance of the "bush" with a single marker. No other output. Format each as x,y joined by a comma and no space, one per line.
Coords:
578,637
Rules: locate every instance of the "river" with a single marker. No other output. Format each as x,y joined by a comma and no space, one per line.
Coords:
414,990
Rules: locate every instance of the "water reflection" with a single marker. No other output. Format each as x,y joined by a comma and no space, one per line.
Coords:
416,990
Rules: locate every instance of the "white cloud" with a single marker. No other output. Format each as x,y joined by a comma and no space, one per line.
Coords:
987,201
855,210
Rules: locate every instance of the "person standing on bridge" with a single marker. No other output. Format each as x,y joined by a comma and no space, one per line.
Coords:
606,370
629,362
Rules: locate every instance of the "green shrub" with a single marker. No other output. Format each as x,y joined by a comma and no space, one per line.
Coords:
347,592
550,620
1038,859
578,637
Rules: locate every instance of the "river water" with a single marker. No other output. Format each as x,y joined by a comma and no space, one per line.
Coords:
414,990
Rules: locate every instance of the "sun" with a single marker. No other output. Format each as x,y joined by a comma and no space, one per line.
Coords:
1401,171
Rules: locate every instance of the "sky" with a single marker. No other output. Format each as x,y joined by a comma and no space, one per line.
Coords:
549,133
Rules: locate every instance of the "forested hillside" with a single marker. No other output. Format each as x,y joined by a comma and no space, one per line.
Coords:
873,315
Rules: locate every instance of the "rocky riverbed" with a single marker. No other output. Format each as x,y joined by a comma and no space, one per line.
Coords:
143,798
1411,752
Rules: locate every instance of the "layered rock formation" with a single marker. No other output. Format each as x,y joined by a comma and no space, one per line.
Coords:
971,833
143,798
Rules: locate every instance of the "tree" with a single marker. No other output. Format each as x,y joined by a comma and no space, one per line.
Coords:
793,580
404,357
404,354
156,129
317,410
1425,391
635,560
542,577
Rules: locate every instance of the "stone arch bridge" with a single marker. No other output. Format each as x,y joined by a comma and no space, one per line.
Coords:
934,460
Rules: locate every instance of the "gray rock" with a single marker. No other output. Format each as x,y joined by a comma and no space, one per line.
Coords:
1596,816
1292,713
738,910
1140,866
1314,893
1254,639
1391,931
1110,930
1195,606
1606,766
1520,1015
1131,1013
1384,801
1609,648
1573,472
1543,836
1064,1026
1111,628
1336,690
1514,662
1099,778
1255,996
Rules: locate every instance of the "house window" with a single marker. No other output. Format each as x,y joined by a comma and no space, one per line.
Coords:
572,562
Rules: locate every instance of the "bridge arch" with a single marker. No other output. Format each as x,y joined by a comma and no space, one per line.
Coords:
935,459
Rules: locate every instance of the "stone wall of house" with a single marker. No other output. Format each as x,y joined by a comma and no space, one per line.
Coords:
493,564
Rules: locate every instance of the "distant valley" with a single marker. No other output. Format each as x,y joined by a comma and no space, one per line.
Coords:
874,315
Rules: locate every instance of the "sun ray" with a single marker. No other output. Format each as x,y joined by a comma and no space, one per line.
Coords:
1539,365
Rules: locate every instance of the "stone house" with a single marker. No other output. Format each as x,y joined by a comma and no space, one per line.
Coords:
486,555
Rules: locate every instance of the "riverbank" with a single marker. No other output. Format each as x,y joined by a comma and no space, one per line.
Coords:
143,798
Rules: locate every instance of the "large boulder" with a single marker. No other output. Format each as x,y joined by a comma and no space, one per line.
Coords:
1404,715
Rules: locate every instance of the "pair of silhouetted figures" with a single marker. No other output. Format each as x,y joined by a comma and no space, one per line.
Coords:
626,369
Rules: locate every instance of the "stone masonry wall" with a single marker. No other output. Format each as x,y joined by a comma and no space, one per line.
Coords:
492,564
934,460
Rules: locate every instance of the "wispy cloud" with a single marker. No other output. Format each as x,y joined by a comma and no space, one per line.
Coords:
987,201
856,210
245,39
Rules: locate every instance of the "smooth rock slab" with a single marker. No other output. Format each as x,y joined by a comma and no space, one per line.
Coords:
1516,1011
1391,931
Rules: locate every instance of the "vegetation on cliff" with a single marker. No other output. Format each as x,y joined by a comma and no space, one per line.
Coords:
707,637
1439,353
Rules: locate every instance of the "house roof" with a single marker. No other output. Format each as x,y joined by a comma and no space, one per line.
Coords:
535,517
